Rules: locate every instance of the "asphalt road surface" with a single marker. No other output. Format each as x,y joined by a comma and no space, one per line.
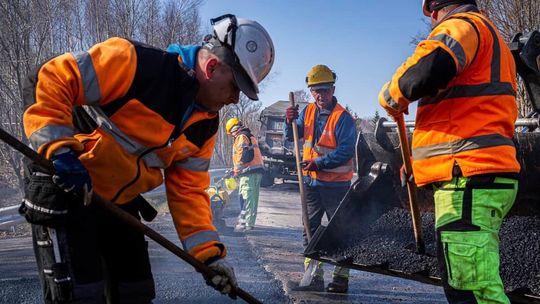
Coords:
267,261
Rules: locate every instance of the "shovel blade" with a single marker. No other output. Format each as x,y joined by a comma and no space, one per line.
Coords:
309,273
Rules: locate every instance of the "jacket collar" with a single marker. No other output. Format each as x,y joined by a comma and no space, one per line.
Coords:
466,8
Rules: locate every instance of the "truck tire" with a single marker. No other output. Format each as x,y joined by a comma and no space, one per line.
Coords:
267,180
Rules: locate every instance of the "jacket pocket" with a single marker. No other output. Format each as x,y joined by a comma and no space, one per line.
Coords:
467,260
116,174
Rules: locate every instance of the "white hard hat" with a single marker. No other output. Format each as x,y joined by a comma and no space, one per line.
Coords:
425,8
253,49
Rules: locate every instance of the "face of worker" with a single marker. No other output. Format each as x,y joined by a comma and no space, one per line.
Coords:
218,87
323,97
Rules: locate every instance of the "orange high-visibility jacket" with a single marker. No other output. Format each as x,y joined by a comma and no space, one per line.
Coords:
243,143
326,144
135,97
466,75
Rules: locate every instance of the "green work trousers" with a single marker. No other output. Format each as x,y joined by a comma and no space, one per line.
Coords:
249,190
468,215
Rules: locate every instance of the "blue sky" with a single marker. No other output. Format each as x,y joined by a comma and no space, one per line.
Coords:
363,41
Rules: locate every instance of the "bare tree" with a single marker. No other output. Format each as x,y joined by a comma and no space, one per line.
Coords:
181,22
98,20
33,30
301,96
127,16
18,46
150,26
510,17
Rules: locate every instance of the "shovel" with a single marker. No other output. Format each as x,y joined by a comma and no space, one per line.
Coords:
411,186
126,217
312,266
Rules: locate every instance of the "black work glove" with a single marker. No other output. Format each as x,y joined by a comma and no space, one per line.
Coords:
71,175
405,178
310,165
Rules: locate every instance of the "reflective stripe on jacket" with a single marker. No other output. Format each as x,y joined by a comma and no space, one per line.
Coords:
241,145
466,75
135,97
325,144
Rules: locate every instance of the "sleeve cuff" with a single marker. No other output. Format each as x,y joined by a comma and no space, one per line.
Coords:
70,142
209,252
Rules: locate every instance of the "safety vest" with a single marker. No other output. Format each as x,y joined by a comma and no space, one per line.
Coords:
471,122
243,143
134,122
325,144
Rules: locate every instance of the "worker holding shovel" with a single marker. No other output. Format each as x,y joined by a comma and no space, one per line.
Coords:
116,120
329,135
464,77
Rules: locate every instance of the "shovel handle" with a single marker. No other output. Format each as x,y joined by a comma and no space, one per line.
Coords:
411,186
124,216
305,219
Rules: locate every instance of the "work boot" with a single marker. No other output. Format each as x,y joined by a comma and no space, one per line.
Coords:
338,285
239,228
317,284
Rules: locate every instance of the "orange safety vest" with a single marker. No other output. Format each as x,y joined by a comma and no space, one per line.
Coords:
471,122
136,97
241,141
326,144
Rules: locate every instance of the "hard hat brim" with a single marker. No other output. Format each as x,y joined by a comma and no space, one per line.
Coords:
321,86
243,82
241,78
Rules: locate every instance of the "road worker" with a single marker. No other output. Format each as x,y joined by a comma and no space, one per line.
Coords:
120,119
248,167
464,77
329,135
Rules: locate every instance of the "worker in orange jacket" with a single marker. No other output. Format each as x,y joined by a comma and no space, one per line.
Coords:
329,135
248,167
465,78
122,118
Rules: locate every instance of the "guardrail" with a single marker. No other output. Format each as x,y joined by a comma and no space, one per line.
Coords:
9,216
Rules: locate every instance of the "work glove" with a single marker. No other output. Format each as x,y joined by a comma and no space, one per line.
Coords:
405,177
291,114
310,165
403,109
224,281
395,113
71,175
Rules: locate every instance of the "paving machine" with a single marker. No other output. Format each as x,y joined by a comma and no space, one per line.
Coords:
277,153
372,231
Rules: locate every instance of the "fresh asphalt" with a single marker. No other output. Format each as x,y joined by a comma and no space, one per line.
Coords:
267,261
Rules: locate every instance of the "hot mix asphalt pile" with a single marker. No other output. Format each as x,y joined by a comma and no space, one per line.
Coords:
389,244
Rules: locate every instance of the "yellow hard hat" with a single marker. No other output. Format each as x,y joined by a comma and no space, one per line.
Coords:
211,191
231,123
320,74
231,184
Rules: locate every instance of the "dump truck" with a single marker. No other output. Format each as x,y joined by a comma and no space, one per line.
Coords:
372,227
277,153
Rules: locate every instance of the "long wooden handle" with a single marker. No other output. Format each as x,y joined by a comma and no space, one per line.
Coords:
411,186
125,217
305,218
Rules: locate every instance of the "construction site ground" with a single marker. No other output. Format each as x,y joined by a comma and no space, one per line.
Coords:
267,260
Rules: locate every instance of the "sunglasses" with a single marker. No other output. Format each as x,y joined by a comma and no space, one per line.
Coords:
321,90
